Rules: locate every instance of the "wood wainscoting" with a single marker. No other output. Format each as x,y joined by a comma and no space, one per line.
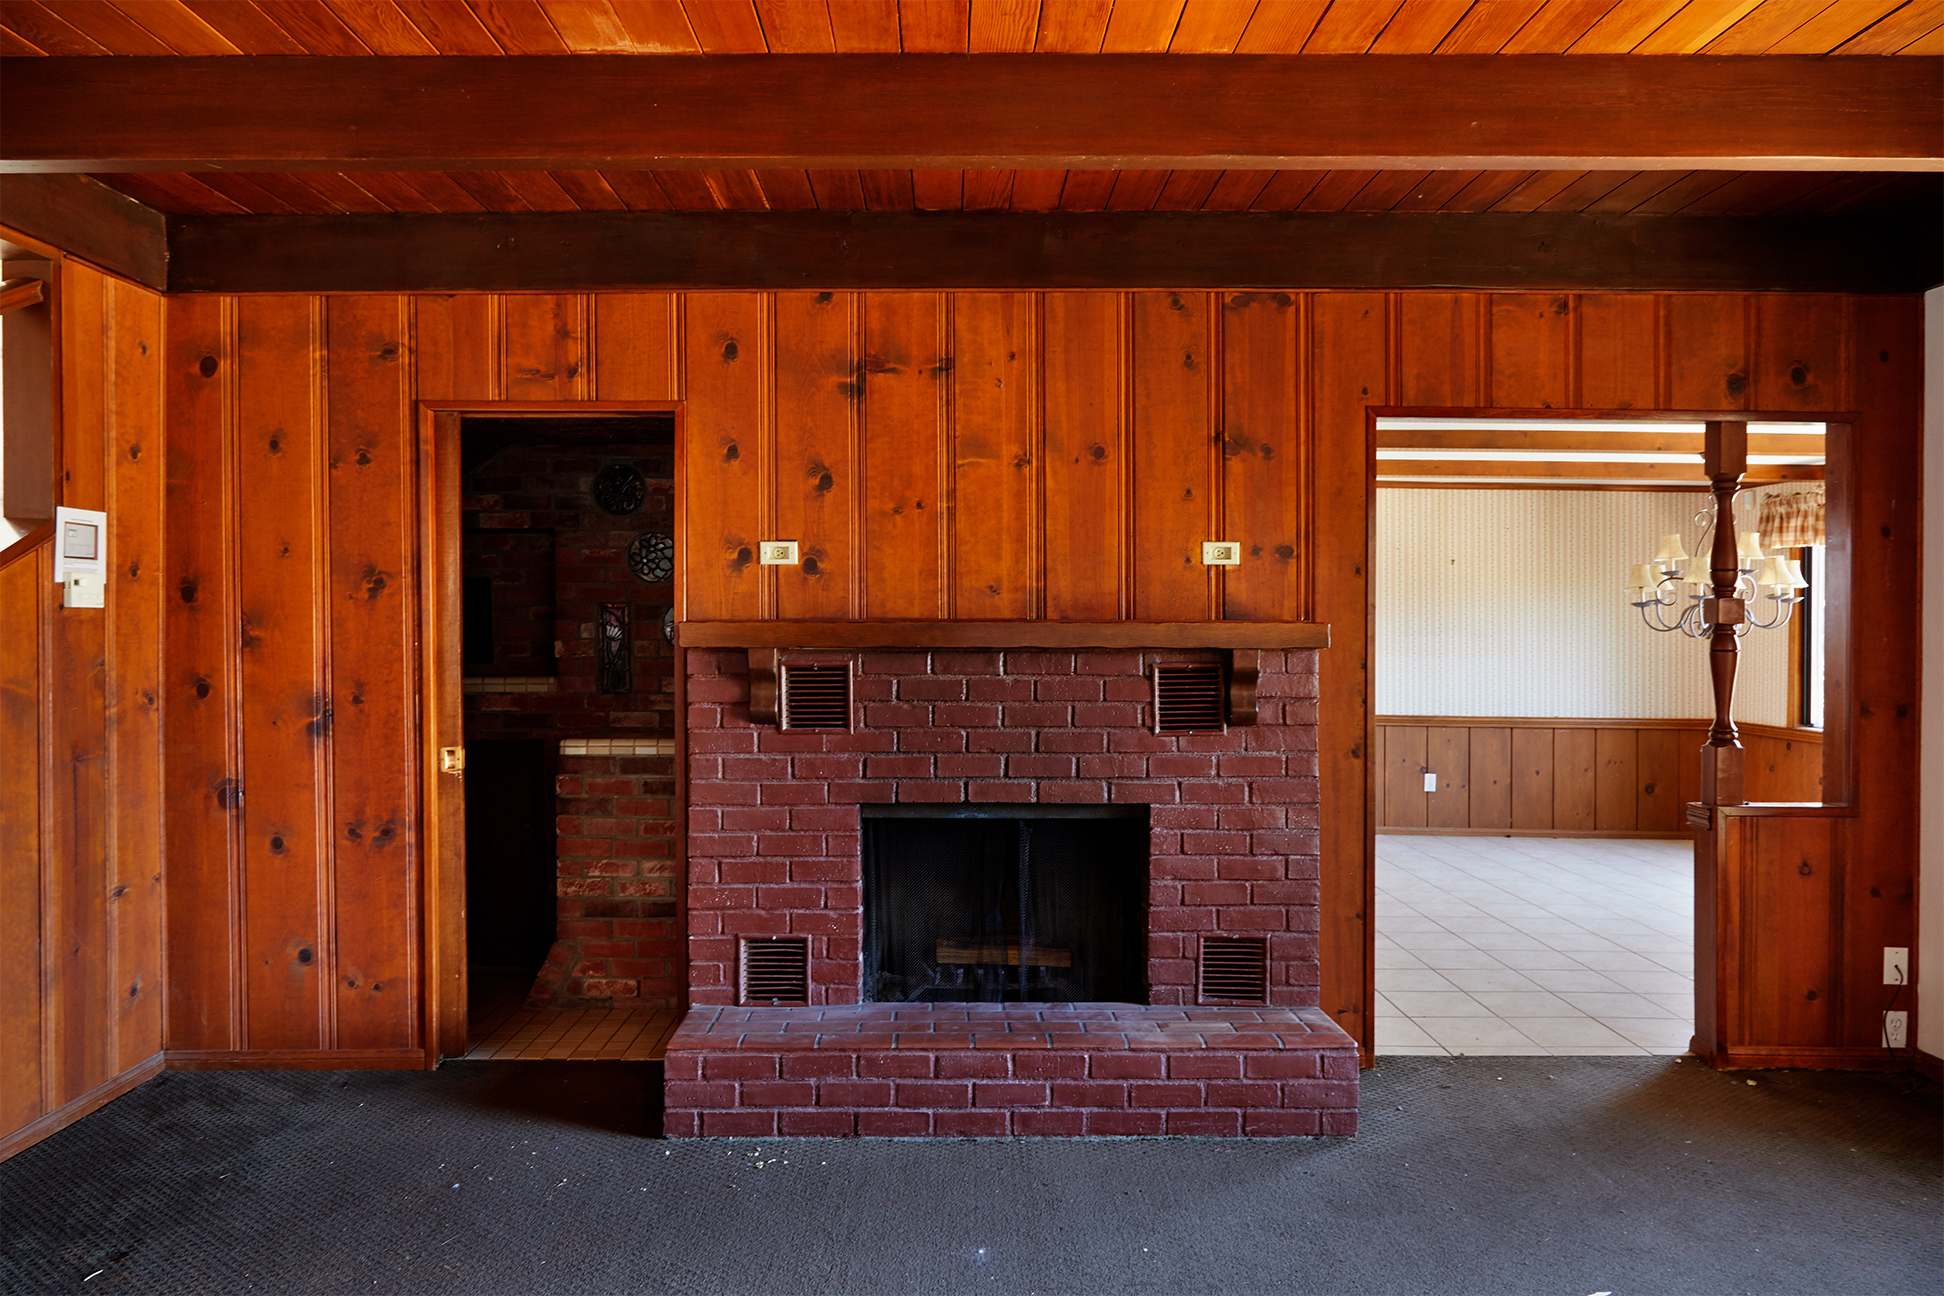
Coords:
1549,777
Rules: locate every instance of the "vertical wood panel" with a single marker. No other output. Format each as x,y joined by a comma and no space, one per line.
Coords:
1661,802
22,596
1349,335
1531,348
371,624
1379,745
722,476
1616,754
1086,458
199,682
545,352
1173,513
1707,351
1575,781
1264,459
816,452
1404,757
84,387
457,346
903,378
284,709
81,1043
1440,349
1532,779
1491,778
1799,353
1447,754
636,347
995,457
1787,969
134,471
1619,345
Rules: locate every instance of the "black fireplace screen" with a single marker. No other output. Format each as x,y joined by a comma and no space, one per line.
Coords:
988,905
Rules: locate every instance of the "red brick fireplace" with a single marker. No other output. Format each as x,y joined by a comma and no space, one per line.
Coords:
775,850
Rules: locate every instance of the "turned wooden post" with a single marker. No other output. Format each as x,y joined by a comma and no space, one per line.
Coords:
1723,762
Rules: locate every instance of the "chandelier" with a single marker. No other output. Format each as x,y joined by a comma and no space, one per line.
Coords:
1655,585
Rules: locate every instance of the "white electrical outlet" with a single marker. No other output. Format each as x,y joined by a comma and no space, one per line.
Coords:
1896,1029
1430,782
1896,966
776,553
1221,553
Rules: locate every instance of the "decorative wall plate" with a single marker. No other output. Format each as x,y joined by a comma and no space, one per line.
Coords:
619,489
668,625
652,558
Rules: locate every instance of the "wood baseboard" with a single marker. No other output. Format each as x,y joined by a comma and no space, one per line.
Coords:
1799,1057
69,1112
407,1059
1929,1064
1532,832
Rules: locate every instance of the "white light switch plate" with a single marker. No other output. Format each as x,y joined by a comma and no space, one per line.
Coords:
1896,966
1221,553
84,590
1430,782
776,553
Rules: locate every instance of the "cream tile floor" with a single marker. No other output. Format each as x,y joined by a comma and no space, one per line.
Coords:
1534,945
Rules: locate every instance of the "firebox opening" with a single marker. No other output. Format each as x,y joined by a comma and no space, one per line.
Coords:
1005,903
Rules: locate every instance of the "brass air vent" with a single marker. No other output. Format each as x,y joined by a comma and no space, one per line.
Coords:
776,970
816,697
1188,698
1234,969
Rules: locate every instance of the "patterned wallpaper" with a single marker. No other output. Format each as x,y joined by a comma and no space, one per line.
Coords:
1510,603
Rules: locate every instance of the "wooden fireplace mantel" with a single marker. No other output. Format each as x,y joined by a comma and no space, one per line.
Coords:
1003,634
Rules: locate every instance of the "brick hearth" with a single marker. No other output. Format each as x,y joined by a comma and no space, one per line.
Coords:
774,849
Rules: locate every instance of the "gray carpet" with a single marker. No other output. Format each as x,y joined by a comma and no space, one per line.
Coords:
1491,1175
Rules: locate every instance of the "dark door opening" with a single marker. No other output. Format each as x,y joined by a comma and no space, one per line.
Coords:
509,870
998,904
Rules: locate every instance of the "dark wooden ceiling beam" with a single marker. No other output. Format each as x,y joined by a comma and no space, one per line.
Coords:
89,220
585,251
902,111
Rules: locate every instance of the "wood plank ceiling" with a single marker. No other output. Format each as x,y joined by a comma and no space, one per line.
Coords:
677,27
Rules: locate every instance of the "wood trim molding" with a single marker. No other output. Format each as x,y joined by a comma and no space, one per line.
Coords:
16,293
73,1110
1000,111
84,217
20,548
397,1059
765,695
1271,635
1804,1057
1535,722
586,251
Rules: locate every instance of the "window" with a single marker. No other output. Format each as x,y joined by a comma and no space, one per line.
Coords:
1812,633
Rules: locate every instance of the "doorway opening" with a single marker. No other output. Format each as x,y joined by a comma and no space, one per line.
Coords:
566,580
1536,744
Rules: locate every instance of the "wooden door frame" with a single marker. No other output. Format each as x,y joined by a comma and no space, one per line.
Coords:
442,801
1713,967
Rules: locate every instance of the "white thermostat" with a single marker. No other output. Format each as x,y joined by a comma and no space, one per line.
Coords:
1221,553
80,543
776,553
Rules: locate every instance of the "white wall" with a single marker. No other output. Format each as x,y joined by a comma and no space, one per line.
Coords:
1510,603
1930,808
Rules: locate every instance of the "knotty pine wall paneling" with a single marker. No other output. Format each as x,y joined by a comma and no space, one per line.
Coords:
81,876
1125,404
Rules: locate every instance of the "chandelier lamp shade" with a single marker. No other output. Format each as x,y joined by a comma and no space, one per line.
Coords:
1656,585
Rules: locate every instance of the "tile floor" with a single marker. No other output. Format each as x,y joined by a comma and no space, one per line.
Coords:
504,1028
1534,945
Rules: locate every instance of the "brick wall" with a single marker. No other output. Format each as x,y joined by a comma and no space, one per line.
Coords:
774,835
616,906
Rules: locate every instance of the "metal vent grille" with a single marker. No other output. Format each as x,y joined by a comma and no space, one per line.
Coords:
816,697
776,971
1188,698
1234,969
